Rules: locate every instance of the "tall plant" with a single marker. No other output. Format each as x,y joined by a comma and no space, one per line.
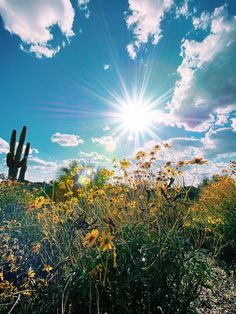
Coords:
14,160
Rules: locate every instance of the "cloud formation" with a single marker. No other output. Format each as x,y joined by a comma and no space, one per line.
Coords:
107,141
207,74
33,21
37,163
144,20
219,143
66,140
4,146
93,156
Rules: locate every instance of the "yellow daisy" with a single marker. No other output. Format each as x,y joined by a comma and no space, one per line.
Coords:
106,242
91,238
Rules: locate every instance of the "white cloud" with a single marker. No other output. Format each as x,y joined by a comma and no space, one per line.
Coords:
223,114
233,123
207,76
41,51
202,22
32,21
37,163
215,144
83,5
41,170
107,141
132,51
144,19
106,128
183,10
219,143
106,67
67,140
93,156
4,146
34,150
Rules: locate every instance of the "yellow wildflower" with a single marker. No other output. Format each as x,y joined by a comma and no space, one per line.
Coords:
31,273
140,154
47,268
198,161
180,164
125,163
91,238
39,202
36,248
106,242
62,185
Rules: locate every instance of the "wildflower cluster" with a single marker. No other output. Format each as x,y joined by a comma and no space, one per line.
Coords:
127,239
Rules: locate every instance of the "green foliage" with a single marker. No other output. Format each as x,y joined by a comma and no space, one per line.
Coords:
132,245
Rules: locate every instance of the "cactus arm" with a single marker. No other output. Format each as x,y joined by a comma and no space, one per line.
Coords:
22,173
22,162
21,144
13,142
26,154
27,149
24,165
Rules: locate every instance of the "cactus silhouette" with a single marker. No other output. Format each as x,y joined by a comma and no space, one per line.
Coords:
24,167
14,161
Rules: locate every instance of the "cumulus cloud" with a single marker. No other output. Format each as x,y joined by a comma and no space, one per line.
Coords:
220,142
207,76
4,146
215,144
144,19
107,141
33,21
93,156
183,148
66,140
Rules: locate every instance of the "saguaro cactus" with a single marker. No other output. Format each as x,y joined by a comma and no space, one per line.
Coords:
14,161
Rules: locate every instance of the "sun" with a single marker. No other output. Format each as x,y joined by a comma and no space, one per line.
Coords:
135,116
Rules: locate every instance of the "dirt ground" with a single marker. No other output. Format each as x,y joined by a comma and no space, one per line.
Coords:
221,299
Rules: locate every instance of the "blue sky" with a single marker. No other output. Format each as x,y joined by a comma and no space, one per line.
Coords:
73,72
